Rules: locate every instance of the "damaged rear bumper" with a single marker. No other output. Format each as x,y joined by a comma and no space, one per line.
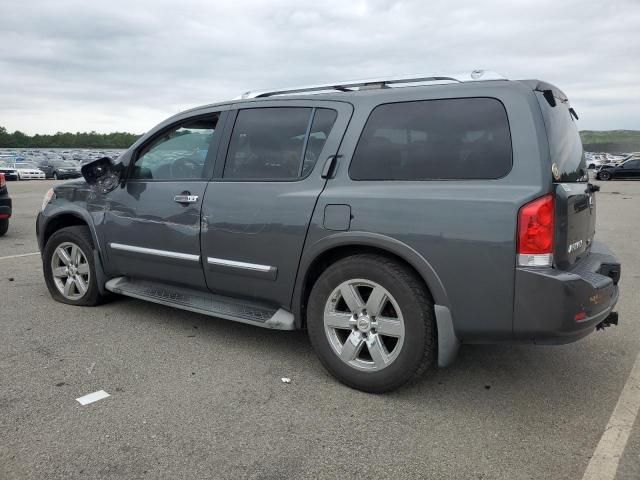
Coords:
561,306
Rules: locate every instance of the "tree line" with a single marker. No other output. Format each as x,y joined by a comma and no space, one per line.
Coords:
19,139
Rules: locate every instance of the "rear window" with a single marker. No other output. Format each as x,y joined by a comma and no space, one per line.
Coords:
565,145
462,138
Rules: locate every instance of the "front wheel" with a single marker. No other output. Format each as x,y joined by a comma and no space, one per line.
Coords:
55,176
605,175
370,320
69,269
4,226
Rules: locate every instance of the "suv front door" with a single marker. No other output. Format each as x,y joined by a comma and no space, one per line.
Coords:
258,206
152,223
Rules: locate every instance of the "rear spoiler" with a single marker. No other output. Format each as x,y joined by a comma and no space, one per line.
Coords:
551,93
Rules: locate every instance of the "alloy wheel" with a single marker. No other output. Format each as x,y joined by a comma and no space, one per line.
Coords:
70,270
364,324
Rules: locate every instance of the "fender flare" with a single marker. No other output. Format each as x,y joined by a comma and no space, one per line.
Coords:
366,239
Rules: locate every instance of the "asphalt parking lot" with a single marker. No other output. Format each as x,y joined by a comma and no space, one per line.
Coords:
199,397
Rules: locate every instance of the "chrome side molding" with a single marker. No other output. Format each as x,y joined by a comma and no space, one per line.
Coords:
153,251
244,265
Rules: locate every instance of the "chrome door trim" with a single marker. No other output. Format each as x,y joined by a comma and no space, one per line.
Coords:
153,251
185,198
244,265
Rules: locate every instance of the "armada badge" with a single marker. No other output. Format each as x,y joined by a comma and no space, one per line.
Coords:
575,246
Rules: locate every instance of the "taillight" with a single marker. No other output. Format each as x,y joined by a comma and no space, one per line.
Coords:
3,182
535,232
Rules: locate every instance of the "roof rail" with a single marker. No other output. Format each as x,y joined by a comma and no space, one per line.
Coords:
383,82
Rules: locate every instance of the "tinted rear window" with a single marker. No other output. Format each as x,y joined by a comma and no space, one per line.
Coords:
462,138
565,145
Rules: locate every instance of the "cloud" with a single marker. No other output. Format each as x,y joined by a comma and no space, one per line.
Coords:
123,65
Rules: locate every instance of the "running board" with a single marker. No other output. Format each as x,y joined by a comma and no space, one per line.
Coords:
243,311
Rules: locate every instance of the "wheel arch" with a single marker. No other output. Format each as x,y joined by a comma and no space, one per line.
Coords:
321,254
66,219
69,218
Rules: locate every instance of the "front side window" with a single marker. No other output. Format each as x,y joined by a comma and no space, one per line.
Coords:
277,143
179,153
462,138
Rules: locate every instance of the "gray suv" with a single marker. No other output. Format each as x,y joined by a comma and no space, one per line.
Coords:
394,219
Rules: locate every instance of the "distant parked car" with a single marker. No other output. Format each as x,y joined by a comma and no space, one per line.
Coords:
10,172
59,169
627,170
28,171
5,206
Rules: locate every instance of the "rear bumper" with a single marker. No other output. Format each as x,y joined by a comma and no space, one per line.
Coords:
556,306
32,176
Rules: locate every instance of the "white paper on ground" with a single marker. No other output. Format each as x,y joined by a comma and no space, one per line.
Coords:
92,397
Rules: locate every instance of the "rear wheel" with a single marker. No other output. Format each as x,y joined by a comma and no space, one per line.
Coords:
604,175
370,320
69,268
4,226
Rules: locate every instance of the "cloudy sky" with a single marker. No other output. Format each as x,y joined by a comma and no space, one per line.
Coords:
70,65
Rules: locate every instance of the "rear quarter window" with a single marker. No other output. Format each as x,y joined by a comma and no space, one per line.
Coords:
461,138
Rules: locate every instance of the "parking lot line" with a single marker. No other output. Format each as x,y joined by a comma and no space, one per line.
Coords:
20,255
604,462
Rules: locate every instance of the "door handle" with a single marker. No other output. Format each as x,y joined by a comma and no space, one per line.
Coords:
185,198
330,166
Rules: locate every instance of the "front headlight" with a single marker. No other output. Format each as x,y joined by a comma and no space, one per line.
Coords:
50,195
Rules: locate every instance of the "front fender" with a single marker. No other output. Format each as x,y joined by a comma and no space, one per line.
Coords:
54,213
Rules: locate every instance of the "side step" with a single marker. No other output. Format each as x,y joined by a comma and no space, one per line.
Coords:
244,311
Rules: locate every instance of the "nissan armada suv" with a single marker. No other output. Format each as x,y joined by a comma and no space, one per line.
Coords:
394,219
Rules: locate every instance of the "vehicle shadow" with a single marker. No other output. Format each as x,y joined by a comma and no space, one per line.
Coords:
496,373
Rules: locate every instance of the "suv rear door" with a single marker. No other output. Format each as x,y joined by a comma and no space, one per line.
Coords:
266,183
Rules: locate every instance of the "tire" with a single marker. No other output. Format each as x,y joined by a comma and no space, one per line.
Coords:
4,226
382,361
605,176
55,176
67,238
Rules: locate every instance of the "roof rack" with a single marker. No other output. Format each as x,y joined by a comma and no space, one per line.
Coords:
371,83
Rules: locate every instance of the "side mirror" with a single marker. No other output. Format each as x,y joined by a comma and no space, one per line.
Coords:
102,174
